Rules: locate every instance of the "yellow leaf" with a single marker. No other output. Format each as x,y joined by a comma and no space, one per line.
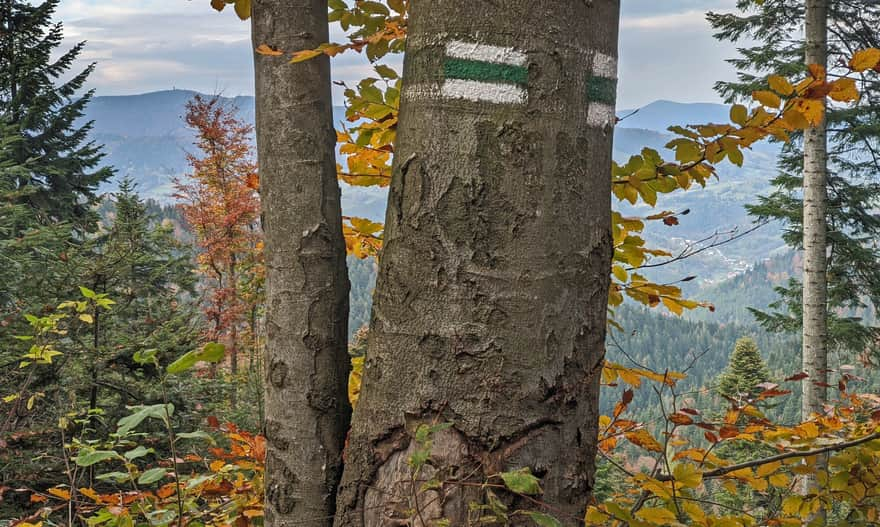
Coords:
306,54
59,493
85,317
243,9
657,516
688,475
792,505
779,480
844,90
739,114
645,440
672,305
780,85
767,98
808,430
813,110
865,59
354,380
619,273
89,493
766,470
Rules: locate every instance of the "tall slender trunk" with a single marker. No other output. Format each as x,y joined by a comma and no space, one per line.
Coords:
233,331
307,409
489,310
815,293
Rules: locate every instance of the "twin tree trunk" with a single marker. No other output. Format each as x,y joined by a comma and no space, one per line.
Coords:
489,310
815,287
306,282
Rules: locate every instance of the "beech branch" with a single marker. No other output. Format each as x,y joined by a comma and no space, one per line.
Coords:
722,471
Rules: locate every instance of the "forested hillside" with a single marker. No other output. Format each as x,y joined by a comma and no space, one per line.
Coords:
431,274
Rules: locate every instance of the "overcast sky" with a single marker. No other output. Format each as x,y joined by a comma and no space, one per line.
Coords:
666,48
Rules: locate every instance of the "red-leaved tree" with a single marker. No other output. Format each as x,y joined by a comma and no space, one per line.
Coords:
221,205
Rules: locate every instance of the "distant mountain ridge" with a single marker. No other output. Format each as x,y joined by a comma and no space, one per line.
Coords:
146,139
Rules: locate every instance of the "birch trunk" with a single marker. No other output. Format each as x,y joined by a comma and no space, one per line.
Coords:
815,292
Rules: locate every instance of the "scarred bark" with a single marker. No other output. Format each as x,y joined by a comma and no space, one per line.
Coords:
815,295
307,410
489,311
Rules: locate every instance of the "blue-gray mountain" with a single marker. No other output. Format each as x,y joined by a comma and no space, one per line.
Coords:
146,139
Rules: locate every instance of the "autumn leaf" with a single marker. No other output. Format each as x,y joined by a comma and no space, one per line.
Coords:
243,9
642,438
767,98
306,54
865,59
780,85
263,49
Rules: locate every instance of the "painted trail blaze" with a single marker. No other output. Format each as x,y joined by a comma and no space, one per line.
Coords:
601,88
481,72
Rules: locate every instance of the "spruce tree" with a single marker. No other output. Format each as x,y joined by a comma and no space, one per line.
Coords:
135,260
44,105
745,371
773,32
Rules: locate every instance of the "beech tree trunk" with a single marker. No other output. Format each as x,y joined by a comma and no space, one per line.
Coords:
489,310
307,409
815,287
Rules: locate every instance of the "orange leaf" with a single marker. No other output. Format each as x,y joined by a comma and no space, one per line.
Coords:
253,181
263,49
681,419
59,493
644,439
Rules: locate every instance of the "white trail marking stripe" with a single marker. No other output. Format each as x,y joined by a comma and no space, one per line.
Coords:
604,66
600,115
483,91
485,53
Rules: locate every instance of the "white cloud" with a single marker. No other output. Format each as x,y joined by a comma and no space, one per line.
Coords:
666,48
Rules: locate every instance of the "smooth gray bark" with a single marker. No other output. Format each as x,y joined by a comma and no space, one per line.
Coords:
489,310
815,288
307,409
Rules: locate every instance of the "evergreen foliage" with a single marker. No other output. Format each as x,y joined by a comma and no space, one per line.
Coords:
61,170
744,373
854,140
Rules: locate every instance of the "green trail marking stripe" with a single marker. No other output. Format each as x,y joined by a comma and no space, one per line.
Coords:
602,90
484,71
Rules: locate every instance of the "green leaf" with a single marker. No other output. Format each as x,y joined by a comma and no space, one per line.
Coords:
130,422
543,520
88,293
198,434
521,481
211,352
135,453
385,72
90,457
117,477
151,476
337,5
374,8
146,357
